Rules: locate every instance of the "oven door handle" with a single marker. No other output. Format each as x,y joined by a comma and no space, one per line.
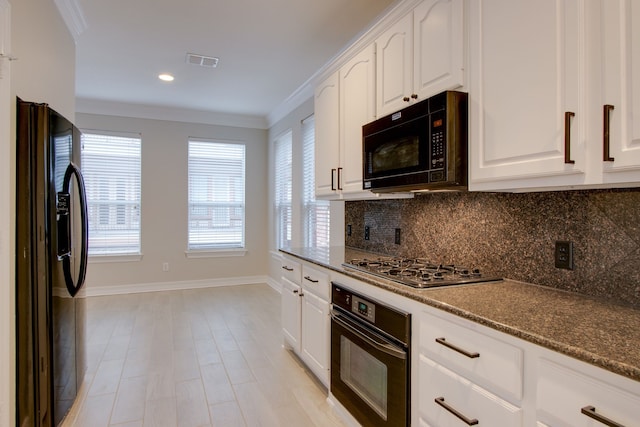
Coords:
375,340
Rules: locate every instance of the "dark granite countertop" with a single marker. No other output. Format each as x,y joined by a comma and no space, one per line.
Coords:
598,332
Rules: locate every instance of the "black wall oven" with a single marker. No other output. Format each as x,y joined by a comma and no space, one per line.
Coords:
421,147
370,360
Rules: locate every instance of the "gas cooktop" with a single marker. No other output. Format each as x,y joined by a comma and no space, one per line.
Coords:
418,272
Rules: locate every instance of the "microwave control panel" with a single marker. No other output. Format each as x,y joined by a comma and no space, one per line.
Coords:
438,146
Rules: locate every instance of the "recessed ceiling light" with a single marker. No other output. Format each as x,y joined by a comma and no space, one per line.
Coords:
165,77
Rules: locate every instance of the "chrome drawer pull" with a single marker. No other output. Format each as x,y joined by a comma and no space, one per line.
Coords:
287,268
444,342
310,279
590,411
468,421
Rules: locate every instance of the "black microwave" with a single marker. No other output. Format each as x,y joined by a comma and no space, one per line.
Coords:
421,147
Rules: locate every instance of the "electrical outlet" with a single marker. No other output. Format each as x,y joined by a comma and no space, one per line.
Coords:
366,232
397,237
564,255
349,230
165,266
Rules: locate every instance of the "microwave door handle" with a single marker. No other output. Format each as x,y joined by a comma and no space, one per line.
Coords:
382,346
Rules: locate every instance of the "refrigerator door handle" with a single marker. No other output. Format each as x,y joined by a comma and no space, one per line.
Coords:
73,288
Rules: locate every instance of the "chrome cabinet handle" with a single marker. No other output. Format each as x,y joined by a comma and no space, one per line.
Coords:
310,279
285,267
567,137
590,412
469,421
444,342
605,133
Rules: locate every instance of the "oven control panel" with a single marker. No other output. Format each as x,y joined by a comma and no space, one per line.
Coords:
363,308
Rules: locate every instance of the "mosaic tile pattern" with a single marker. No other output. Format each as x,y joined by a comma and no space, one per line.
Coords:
514,235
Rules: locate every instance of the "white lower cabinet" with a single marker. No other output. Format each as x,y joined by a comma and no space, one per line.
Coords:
291,310
448,399
306,323
316,335
494,363
568,398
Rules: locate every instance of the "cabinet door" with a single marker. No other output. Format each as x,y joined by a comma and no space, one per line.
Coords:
438,45
394,64
357,107
316,328
291,313
563,395
621,86
327,136
525,73
443,392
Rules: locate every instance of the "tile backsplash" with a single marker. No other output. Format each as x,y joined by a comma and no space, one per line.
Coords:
514,235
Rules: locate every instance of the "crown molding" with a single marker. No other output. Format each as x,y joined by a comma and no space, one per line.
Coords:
155,112
73,16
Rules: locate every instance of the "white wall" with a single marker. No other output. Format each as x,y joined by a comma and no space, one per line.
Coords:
43,72
164,210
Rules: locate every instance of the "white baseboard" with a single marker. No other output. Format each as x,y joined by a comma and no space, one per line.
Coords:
90,291
277,286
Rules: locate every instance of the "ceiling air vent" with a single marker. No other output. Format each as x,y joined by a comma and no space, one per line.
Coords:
201,60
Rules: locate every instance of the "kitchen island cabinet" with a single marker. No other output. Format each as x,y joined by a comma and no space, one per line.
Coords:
553,95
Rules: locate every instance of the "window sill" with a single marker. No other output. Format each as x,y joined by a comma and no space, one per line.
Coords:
100,259
215,253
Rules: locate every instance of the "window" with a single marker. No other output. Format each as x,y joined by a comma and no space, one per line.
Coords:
315,213
283,182
216,195
111,171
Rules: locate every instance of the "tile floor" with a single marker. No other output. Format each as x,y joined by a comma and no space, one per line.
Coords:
206,357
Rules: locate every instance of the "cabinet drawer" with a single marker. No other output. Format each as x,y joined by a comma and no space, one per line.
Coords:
462,396
317,282
292,270
562,393
490,362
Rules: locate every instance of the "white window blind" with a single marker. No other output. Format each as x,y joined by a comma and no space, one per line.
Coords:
283,183
111,170
316,219
216,195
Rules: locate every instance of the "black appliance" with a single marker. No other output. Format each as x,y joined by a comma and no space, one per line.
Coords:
51,261
418,272
422,147
370,363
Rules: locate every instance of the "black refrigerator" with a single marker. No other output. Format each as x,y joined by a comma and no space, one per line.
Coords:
51,262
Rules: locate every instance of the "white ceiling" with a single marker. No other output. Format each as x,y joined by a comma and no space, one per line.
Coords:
267,49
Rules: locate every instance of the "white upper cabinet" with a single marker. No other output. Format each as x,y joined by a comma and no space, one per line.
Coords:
327,136
344,102
621,87
357,107
540,76
420,55
525,80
